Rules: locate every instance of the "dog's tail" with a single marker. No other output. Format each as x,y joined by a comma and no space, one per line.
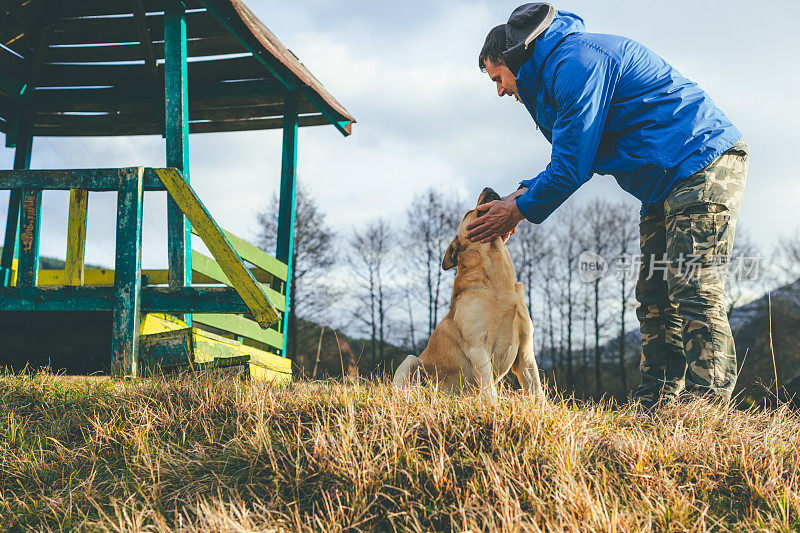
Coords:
407,368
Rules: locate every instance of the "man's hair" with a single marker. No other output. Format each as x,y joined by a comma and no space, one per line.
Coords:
493,48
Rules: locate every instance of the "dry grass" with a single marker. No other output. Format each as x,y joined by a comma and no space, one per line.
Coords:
209,455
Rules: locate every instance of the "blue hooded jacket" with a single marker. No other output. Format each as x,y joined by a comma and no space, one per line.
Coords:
608,105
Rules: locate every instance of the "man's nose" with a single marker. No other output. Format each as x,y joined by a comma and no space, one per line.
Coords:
500,90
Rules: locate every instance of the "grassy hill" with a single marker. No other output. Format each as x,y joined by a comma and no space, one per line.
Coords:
205,454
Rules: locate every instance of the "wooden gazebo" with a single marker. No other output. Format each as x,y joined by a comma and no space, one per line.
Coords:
138,67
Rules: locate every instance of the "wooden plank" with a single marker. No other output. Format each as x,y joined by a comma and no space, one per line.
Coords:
166,349
122,29
265,366
197,47
176,87
240,326
145,40
209,267
258,105
93,8
92,74
30,229
64,99
128,275
158,323
242,280
255,255
105,276
76,235
286,207
94,179
22,161
253,124
8,257
101,298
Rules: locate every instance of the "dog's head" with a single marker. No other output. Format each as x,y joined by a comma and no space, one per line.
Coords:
460,242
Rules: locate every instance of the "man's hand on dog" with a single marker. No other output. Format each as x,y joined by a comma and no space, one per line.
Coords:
501,218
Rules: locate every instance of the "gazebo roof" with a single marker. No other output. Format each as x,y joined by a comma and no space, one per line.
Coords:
96,67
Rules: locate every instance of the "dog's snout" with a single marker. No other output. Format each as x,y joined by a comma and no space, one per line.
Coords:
488,195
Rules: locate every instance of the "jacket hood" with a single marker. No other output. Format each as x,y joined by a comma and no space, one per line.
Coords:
564,23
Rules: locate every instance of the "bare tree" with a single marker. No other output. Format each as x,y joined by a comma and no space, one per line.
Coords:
432,222
314,256
743,271
626,235
568,234
600,219
370,265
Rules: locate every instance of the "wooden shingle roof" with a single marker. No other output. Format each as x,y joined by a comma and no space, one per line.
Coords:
95,67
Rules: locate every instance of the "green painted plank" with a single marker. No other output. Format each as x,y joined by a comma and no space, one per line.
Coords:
286,208
176,94
249,289
154,299
241,326
255,255
95,179
208,267
128,275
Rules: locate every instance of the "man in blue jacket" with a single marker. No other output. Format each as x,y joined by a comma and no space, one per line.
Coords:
608,105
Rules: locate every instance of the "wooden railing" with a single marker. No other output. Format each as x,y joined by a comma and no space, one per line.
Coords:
246,302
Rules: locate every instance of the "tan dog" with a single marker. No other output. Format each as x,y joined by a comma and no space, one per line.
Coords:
488,330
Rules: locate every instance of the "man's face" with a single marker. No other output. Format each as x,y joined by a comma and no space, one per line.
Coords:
504,79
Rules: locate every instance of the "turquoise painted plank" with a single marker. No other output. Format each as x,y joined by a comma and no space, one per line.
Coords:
176,94
101,298
29,234
92,179
22,161
11,238
128,274
286,208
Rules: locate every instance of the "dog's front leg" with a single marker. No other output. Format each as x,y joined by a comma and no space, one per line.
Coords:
482,372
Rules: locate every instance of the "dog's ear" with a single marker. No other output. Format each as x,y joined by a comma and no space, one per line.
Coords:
450,258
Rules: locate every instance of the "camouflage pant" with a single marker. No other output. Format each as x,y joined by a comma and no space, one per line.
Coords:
686,247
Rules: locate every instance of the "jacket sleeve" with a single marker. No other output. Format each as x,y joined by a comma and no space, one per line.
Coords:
583,86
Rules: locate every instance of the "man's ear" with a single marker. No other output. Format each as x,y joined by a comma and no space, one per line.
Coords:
450,258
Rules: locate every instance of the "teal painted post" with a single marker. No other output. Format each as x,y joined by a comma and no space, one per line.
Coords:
128,274
22,161
285,244
176,108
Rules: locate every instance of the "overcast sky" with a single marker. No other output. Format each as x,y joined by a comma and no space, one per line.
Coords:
428,117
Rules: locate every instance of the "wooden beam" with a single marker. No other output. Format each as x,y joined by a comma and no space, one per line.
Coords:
286,208
105,276
93,179
242,280
145,40
128,274
22,161
153,299
76,235
30,222
254,255
176,87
